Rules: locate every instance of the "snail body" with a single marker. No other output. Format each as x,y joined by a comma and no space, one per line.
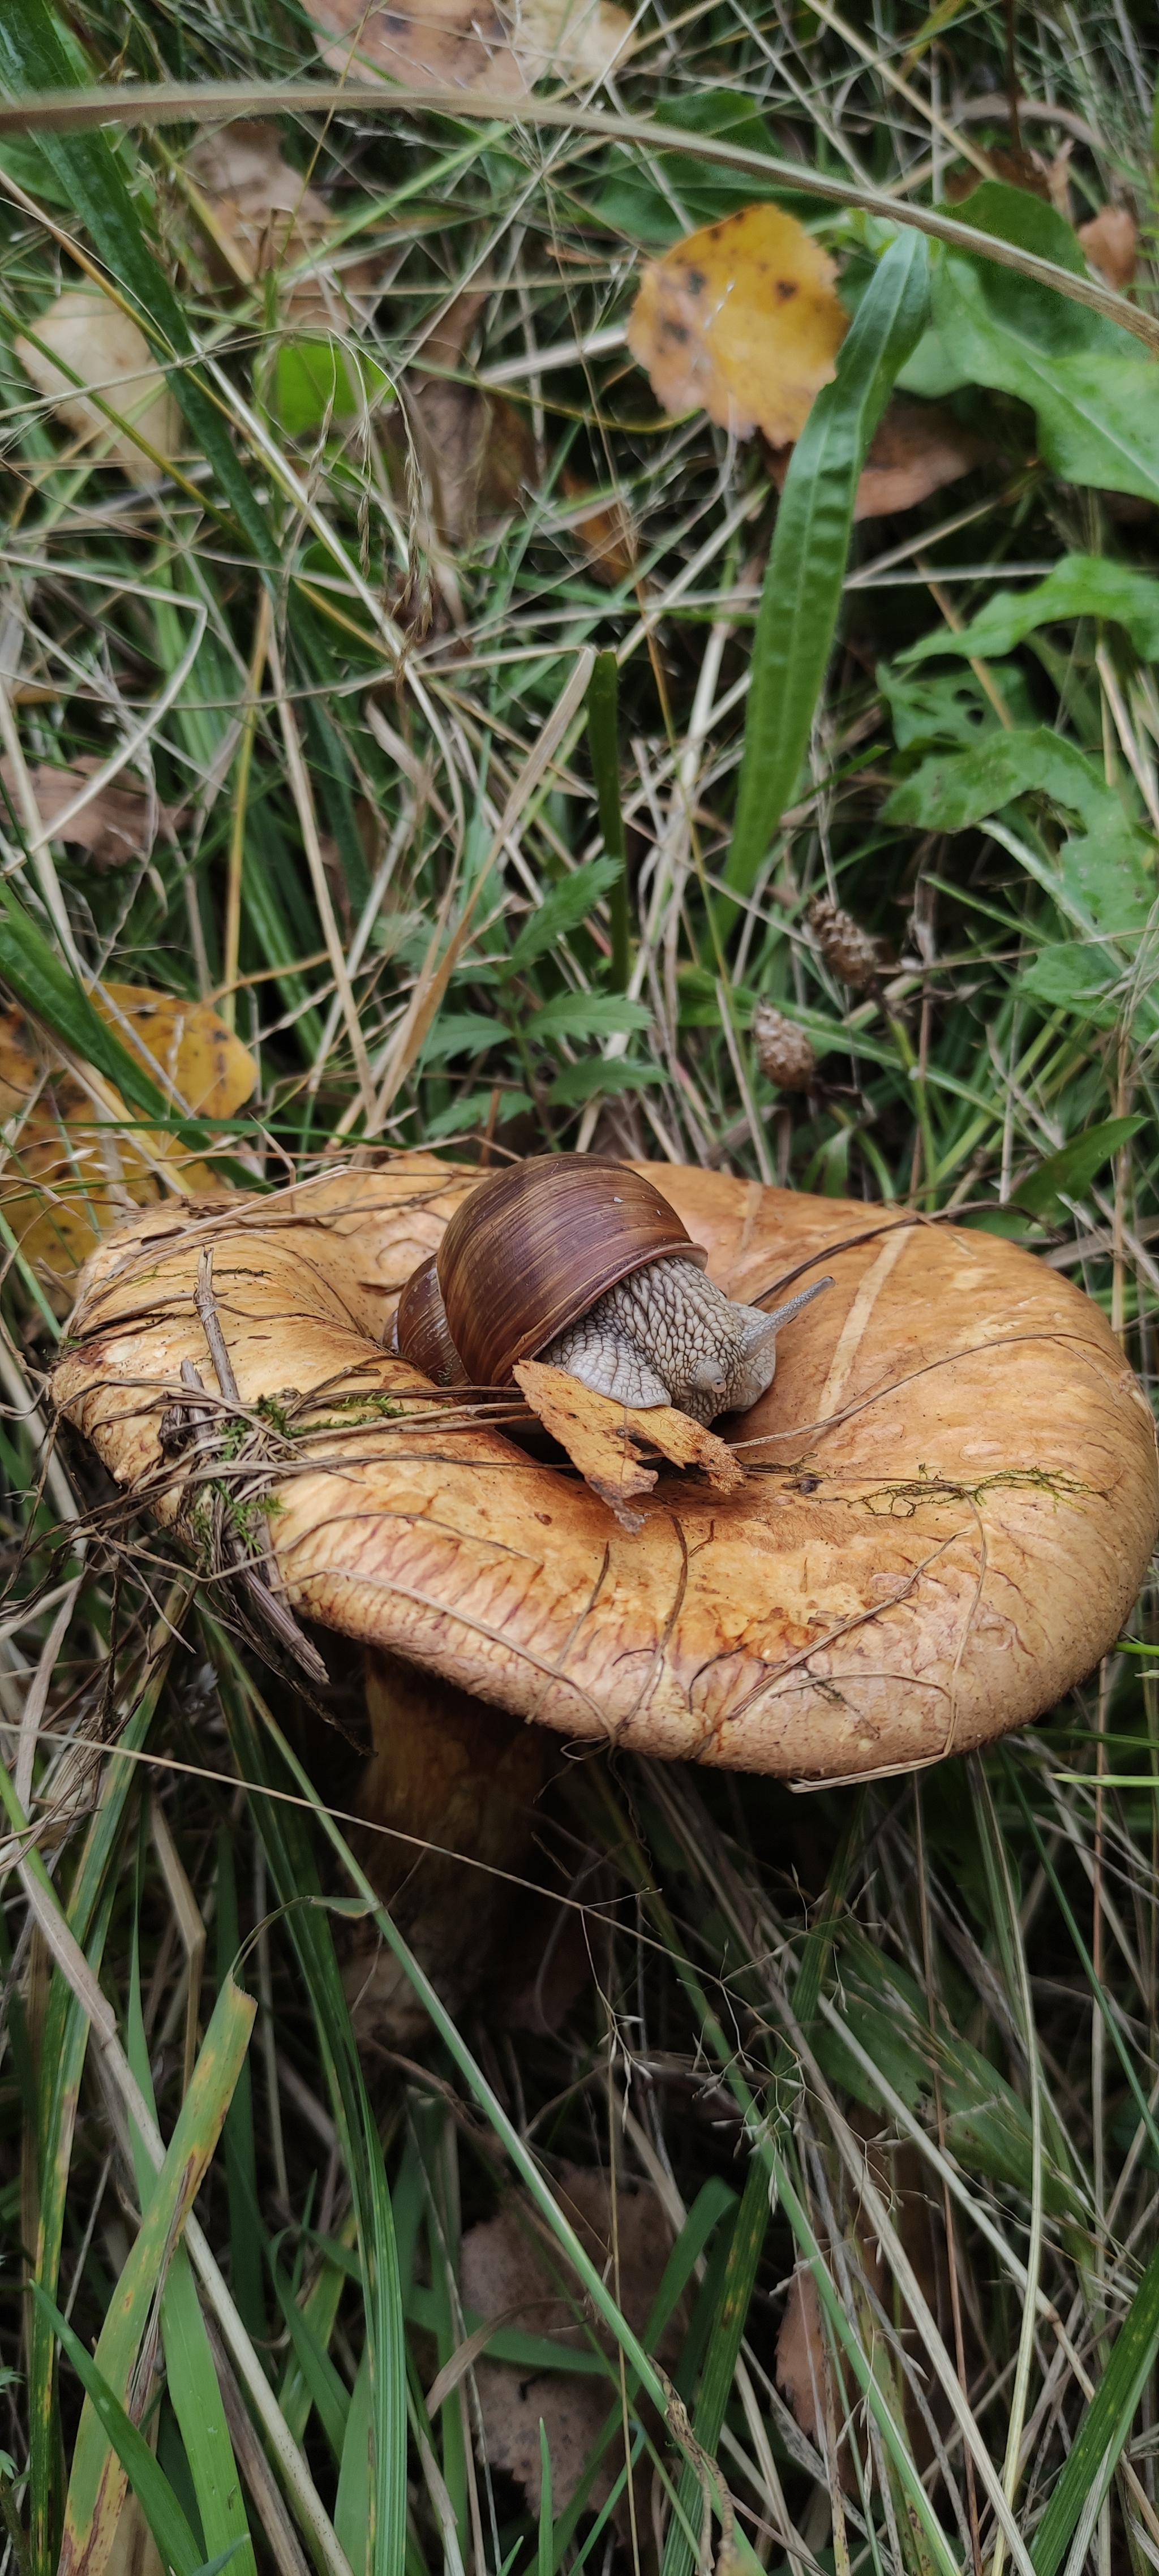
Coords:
579,1261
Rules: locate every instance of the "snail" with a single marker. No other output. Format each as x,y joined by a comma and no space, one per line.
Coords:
579,1261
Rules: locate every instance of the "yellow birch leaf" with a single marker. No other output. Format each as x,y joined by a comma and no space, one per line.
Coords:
742,319
69,1175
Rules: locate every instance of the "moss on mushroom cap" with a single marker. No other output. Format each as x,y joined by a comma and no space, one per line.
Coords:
950,1502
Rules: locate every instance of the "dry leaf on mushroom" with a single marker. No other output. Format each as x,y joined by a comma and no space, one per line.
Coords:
84,345
742,319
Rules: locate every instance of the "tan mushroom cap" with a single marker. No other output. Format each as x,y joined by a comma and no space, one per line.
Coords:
950,1502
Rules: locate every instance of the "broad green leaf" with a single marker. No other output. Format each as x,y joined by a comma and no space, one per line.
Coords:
65,2043
950,707
291,1866
1106,869
1076,1164
587,1015
1079,586
580,1082
315,380
562,910
475,1111
658,200
95,2485
460,1033
330,2396
1085,2477
1089,384
1067,977
176,2545
193,2385
802,588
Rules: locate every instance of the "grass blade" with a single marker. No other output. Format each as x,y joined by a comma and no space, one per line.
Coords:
802,587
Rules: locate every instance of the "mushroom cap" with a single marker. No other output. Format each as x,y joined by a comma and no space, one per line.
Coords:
950,1498
534,1246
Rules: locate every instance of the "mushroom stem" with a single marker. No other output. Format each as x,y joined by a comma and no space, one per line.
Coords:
447,1801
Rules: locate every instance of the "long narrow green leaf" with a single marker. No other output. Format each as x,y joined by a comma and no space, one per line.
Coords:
740,2274
802,587
292,1870
92,178
1105,2428
176,2545
66,2035
193,2385
94,2487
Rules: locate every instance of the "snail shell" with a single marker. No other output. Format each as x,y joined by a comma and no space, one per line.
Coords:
581,1261
420,1328
532,1249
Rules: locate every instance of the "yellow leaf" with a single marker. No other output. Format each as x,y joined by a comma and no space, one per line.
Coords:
69,1175
742,319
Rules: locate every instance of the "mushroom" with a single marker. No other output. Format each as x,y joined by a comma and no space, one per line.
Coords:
947,1502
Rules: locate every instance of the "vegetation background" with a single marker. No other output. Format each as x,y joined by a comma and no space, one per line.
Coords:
303,601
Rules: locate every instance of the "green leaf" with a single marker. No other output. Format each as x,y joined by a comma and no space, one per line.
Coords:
562,910
176,2545
802,588
352,2504
1090,387
1074,1167
316,379
1079,586
1066,977
331,2398
1106,871
670,195
728,2327
1098,2446
587,1015
460,1033
94,2489
580,1082
950,707
604,744
475,1111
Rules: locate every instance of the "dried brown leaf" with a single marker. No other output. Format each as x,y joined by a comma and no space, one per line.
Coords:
742,319
103,348
915,449
604,533
506,2275
475,44
120,822
1111,243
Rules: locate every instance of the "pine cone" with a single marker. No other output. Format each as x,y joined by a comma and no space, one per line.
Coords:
783,1050
857,959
